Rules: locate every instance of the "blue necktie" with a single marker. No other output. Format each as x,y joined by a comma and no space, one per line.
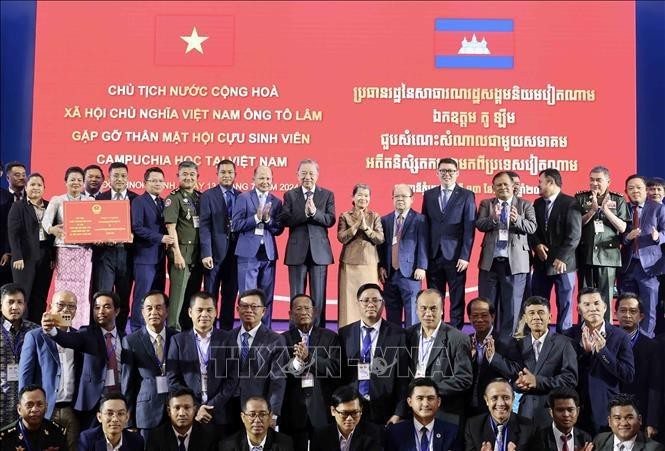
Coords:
365,356
424,441
244,347
228,196
503,224
444,200
181,445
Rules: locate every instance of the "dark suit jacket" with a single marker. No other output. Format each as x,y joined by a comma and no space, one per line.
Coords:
366,437
23,229
308,234
163,438
90,342
183,369
387,391
244,223
6,200
483,373
401,436
546,441
139,371
651,254
449,366
324,364
605,442
562,234
215,225
148,229
600,374
521,432
412,245
451,231
274,442
262,375
94,440
556,367
648,381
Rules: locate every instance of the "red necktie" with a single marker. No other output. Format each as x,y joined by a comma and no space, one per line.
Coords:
112,363
564,439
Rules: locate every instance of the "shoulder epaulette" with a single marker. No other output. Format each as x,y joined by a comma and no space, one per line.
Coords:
616,193
584,191
176,191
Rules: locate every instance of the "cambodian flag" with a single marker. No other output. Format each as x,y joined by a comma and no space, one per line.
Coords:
473,44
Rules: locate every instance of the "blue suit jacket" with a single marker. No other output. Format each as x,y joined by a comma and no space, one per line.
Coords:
139,371
214,225
651,255
412,245
148,229
402,436
452,231
94,440
244,223
40,364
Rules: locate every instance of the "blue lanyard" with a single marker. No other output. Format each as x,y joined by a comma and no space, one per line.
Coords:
14,346
502,445
25,435
634,339
422,359
204,358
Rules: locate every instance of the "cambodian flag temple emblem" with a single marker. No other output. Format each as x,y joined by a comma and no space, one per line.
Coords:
473,44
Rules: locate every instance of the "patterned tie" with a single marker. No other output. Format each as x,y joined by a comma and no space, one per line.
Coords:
181,444
445,198
159,348
117,196
622,447
424,441
395,247
536,349
564,441
548,209
499,438
18,195
636,225
228,197
112,362
244,347
365,356
503,224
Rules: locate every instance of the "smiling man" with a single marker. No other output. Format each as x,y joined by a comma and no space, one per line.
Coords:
111,435
257,434
564,407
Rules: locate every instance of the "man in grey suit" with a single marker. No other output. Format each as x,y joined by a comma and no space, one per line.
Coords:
309,211
504,256
625,421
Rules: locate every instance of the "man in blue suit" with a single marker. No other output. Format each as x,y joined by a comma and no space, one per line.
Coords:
53,368
113,416
403,260
218,241
256,220
144,368
450,211
642,255
424,400
150,237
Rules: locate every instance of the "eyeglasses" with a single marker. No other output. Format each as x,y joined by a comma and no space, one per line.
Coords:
113,413
447,171
256,415
61,306
252,307
348,413
374,301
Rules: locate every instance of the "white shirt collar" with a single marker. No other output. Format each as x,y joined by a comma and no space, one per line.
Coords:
509,200
433,336
628,444
262,444
153,335
203,337
557,433
304,190
252,333
186,434
259,193
552,198
113,332
123,194
6,324
340,436
110,447
376,326
541,339
418,425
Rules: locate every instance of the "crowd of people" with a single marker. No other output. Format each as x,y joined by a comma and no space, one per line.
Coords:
111,361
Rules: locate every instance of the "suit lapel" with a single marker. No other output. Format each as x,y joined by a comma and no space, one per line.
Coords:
149,348
527,353
354,344
407,221
52,348
437,346
255,199
544,351
314,337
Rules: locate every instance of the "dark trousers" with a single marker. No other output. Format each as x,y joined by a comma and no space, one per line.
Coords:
146,278
636,280
442,273
564,285
400,295
223,279
112,271
35,279
318,276
506,291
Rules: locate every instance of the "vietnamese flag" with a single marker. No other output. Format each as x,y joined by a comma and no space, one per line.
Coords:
194,40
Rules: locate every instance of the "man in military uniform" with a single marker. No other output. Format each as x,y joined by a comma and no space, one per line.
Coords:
604,219
31,430
181,215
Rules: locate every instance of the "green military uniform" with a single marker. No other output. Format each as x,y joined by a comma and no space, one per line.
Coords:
182,209
50,436
599,252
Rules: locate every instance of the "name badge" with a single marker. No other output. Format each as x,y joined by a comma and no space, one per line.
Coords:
598,226
12,372
195,220
363,372
162,384
307,380
258,230
204,383
503,234
420,371
611,204
110,378
394,240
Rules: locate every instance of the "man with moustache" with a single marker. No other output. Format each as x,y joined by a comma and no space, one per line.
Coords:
93,179
218,241
562,435
402,259
144,370
257,434
255,219
16,179
54,368
111,433
311,375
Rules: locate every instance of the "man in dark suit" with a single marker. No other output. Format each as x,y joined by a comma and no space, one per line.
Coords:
255,219
93,177
539,362
604,359
257,434
554,243
504,263
450,211
309,211
181,433
564,407
112,262
401,277
101,346
648,382
150,237
440,352
144,369
257,357
642,255
311,375
112,416
500,424
625,421
16,178
349,432
425,401
374,359
53,368
197,360
218,241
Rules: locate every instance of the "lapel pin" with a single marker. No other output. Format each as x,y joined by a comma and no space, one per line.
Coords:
438,435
